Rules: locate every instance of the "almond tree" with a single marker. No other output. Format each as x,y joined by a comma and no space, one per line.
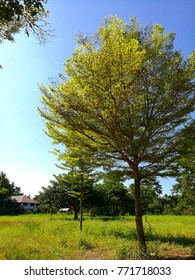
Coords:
128,97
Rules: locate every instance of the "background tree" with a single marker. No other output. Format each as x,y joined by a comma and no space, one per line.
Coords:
79,163
51,198
184,188
151,192
7,189
128,97
64,191
110,198
74,194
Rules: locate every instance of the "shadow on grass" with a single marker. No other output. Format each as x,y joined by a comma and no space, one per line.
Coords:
120,233
176,253
107,218
170,239
180,258
179,240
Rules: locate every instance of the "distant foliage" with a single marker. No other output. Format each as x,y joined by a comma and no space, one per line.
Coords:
7,189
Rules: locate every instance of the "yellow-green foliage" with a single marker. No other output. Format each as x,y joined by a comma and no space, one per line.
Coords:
58,237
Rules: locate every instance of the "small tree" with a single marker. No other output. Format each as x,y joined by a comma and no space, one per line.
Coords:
128,97
79,164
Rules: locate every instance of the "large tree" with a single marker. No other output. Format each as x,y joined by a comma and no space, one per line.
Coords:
128,98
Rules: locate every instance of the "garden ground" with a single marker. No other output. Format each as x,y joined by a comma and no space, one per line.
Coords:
57,237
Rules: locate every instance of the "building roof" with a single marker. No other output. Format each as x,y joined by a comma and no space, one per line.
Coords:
23,199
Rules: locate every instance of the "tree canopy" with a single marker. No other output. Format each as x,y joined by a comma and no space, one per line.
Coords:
129,92
29,15
128,96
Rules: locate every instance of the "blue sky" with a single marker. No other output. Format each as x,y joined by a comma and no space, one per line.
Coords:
24,148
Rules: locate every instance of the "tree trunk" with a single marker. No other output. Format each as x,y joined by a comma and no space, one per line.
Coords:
75,214
81,203
138,214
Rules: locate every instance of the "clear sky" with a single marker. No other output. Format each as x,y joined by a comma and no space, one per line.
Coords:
24,148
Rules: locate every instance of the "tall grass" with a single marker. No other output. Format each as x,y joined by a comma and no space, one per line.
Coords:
58,237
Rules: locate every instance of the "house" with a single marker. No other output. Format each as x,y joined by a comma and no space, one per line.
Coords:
23,203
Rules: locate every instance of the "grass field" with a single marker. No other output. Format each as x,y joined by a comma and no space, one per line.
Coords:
57,237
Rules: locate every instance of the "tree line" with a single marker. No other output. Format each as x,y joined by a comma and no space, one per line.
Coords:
111,197
106,197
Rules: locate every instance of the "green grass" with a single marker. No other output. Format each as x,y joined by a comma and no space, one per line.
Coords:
44,237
